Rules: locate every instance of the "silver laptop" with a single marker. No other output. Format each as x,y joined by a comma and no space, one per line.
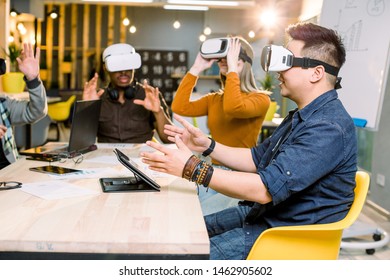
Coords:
83,133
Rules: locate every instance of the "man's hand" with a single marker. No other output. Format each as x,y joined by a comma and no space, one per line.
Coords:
152,100
171,161
28,63
3,131
90,91
191,136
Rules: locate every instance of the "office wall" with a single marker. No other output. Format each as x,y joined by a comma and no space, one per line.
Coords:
380,193
154,30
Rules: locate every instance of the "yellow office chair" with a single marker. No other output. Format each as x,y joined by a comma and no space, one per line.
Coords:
310,242
59,112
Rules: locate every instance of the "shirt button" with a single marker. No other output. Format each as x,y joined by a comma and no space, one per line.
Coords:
288,173
248,232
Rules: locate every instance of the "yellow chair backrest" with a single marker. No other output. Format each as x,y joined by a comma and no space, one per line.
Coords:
310,242
60,111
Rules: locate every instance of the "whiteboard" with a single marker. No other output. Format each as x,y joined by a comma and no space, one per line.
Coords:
364,26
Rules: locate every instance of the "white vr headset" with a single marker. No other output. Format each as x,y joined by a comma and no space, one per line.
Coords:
277,58
215,48
121,57
218,48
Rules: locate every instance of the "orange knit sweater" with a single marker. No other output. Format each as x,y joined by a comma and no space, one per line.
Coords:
234,118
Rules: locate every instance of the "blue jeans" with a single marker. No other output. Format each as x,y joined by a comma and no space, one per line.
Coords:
227,236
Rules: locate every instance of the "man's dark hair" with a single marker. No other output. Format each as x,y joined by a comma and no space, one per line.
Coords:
319,42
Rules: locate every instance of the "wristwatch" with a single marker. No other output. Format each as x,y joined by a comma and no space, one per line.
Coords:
210,149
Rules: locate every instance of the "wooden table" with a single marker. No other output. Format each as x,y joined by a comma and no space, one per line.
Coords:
150,225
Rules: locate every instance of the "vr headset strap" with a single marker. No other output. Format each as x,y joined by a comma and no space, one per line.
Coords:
306,62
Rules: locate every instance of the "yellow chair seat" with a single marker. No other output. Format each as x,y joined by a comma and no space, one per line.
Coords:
60,112
310,242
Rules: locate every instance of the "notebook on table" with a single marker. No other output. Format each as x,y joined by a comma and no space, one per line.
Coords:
83,133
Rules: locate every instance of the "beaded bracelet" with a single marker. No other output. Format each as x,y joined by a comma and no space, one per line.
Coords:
198,171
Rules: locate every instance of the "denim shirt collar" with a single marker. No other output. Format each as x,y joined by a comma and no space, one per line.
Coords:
317,103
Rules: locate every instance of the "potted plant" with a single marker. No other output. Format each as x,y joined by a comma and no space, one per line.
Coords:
267,83
13,80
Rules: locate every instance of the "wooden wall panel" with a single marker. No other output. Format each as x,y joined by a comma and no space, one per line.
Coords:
49,46
86,52
111,25
98,37
123,29
61,44
73,42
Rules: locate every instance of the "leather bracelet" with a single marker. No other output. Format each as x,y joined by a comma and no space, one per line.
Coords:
209,149
208,176
189,167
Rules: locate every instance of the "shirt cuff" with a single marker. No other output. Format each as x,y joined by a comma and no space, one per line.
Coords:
34,83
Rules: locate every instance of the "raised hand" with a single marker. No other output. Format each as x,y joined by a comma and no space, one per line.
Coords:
167,160
90,91
200,65
28,63
152,100
191,136
233,53
3,130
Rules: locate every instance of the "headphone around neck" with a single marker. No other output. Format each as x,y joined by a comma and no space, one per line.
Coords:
130,91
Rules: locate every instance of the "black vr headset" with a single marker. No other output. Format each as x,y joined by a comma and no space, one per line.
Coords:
277,58
3,67
218,48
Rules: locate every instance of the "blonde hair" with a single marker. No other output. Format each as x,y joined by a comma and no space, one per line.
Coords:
247,78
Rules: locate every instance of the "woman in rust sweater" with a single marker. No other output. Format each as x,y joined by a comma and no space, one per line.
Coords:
235,113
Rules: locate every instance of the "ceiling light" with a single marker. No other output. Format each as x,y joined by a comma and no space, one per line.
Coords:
126,21
207,30
132,29
185,7
123,1
202,38
11,39
176,24
207,3
13,12
53,13
268,18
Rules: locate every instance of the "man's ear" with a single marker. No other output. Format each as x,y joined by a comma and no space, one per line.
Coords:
318,73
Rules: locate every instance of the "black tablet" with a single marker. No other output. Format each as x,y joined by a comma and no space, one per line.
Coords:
54,170
125,184
139,175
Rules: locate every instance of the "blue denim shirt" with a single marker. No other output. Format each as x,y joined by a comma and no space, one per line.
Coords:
311,177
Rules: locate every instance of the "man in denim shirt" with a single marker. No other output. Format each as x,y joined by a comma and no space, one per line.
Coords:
303,174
